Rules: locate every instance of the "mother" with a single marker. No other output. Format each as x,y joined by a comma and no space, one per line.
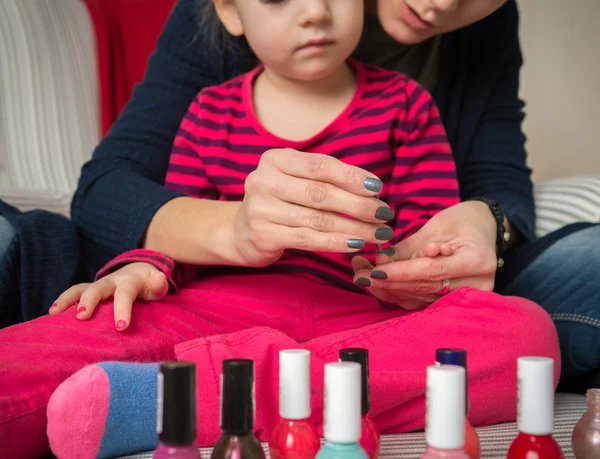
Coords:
473,74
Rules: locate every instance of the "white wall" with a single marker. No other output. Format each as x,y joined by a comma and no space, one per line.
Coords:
561,85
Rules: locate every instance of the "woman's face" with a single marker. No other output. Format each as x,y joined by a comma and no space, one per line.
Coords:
412,21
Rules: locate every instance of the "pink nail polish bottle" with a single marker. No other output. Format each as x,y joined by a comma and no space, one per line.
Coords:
586,436
535,410
369,439
295,437
458,357
176,413
444,430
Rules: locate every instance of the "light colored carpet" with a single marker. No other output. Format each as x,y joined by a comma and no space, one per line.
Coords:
495,440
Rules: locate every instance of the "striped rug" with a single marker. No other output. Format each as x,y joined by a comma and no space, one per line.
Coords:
495,440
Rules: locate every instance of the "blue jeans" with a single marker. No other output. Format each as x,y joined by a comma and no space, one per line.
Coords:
39,258
565,280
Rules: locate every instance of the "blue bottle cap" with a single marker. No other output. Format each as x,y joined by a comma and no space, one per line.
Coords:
447,356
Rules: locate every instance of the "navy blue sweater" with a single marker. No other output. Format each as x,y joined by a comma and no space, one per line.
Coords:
121,188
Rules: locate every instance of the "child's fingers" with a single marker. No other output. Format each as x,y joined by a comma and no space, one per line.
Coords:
431,250
94,294
446,249
125,295
155,288
68,298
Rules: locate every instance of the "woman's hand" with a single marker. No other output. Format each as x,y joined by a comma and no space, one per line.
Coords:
457,244
135,281
297,200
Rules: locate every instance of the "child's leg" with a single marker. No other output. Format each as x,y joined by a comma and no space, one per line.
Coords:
495,331
38,355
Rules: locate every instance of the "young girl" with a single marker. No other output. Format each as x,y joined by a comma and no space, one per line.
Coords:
270,211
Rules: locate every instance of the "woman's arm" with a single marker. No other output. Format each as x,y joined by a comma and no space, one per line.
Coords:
496,162
121,189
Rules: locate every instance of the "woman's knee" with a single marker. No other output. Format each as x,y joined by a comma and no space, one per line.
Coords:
563,280
8,234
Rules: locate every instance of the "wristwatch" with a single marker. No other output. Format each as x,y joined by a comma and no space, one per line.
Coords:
502,236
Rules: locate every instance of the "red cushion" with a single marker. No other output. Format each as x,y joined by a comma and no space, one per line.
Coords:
126,34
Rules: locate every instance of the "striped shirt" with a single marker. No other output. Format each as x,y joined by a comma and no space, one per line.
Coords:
391,128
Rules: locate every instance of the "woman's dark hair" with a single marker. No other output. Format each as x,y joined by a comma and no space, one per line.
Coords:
210,24
218,38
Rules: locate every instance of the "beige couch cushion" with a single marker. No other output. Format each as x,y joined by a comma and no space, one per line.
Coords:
49,109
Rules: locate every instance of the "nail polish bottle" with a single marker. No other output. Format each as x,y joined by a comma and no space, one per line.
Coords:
342,419
237,412
369,438
586,436
176,411
445,420
295,437
535,410
459,357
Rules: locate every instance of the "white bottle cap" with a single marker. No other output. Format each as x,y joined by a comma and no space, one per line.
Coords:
294,384
342,417
535,395
445,425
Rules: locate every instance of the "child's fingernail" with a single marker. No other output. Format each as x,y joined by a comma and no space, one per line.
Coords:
121,324
81,309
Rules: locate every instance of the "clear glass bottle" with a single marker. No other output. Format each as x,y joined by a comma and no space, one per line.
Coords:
586,436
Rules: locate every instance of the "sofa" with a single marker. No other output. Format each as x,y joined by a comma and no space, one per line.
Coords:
66,69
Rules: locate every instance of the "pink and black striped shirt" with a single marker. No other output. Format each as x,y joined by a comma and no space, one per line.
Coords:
391,128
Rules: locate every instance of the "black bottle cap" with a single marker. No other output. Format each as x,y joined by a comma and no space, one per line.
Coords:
449,356
177,403
360,355
237,396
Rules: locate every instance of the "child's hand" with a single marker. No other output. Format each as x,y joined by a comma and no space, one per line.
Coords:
135,281
431,250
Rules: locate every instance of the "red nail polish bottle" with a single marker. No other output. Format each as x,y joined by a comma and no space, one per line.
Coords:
370,439
295,437
535,410
459,357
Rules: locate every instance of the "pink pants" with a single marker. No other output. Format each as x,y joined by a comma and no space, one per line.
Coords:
255,317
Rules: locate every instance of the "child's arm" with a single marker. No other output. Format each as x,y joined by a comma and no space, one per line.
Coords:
186,174
423,179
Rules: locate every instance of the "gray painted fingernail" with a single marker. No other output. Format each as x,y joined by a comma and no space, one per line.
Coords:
384,234
389,251
373,184
355,243
384,213
362,282
378,274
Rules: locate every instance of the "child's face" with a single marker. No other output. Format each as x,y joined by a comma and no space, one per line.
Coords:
412,21
300,39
